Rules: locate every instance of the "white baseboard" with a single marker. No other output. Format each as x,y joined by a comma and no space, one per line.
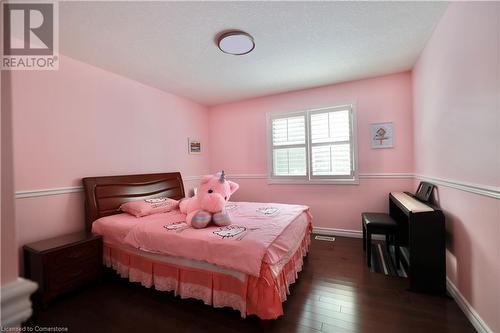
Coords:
467,309
16,303
343,233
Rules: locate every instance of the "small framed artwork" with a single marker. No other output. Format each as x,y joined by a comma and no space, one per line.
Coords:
194,146
381,135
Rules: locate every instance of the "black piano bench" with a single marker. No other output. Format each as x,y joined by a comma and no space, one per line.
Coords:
380,224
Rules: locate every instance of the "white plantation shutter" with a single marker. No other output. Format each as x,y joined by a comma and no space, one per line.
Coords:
313,145
330,126
290,161
289,146
330,143
289,131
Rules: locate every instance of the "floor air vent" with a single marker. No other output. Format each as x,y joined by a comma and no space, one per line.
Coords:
325,238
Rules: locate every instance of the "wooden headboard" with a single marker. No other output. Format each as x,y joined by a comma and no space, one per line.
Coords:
104,195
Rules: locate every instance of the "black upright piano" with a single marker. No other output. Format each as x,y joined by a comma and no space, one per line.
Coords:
422,230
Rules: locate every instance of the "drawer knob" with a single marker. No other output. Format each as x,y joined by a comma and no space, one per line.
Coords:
75,254
75,274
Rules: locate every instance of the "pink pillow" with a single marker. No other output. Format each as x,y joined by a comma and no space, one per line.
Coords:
146,207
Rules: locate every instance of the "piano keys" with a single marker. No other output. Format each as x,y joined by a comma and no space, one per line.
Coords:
411,204
422,230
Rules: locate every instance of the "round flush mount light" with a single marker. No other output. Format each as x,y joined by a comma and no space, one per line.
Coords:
235,42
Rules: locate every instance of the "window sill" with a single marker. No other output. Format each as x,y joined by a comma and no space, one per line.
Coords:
274,181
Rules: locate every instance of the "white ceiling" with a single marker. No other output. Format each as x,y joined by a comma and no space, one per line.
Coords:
170,45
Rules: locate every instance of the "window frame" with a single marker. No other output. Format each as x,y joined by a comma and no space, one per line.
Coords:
352,179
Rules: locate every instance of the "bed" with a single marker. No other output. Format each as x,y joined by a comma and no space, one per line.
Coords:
160,252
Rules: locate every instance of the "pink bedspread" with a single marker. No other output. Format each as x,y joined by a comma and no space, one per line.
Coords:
115,228
240,246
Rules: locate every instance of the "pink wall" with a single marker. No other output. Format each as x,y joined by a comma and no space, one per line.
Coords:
83,121
238,145
9,269
456,133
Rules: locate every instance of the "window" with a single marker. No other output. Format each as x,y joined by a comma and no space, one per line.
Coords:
313,146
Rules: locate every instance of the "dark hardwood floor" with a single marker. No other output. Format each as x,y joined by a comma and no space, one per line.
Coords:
335,292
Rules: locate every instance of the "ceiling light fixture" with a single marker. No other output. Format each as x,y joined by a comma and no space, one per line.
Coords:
235,42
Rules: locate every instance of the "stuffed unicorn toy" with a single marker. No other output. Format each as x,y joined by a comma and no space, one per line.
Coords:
208,203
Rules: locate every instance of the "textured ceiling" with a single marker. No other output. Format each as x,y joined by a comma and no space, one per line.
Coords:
170,45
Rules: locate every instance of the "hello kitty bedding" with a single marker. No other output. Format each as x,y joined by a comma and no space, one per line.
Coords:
260,232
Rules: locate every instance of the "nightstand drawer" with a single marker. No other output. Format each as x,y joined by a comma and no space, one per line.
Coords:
73,254
73,275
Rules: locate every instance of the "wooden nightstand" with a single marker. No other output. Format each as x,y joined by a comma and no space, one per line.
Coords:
63,263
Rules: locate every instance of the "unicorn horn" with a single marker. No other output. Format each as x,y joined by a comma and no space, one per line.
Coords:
222,177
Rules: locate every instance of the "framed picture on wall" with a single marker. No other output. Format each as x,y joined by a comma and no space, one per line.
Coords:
194,146
381,135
